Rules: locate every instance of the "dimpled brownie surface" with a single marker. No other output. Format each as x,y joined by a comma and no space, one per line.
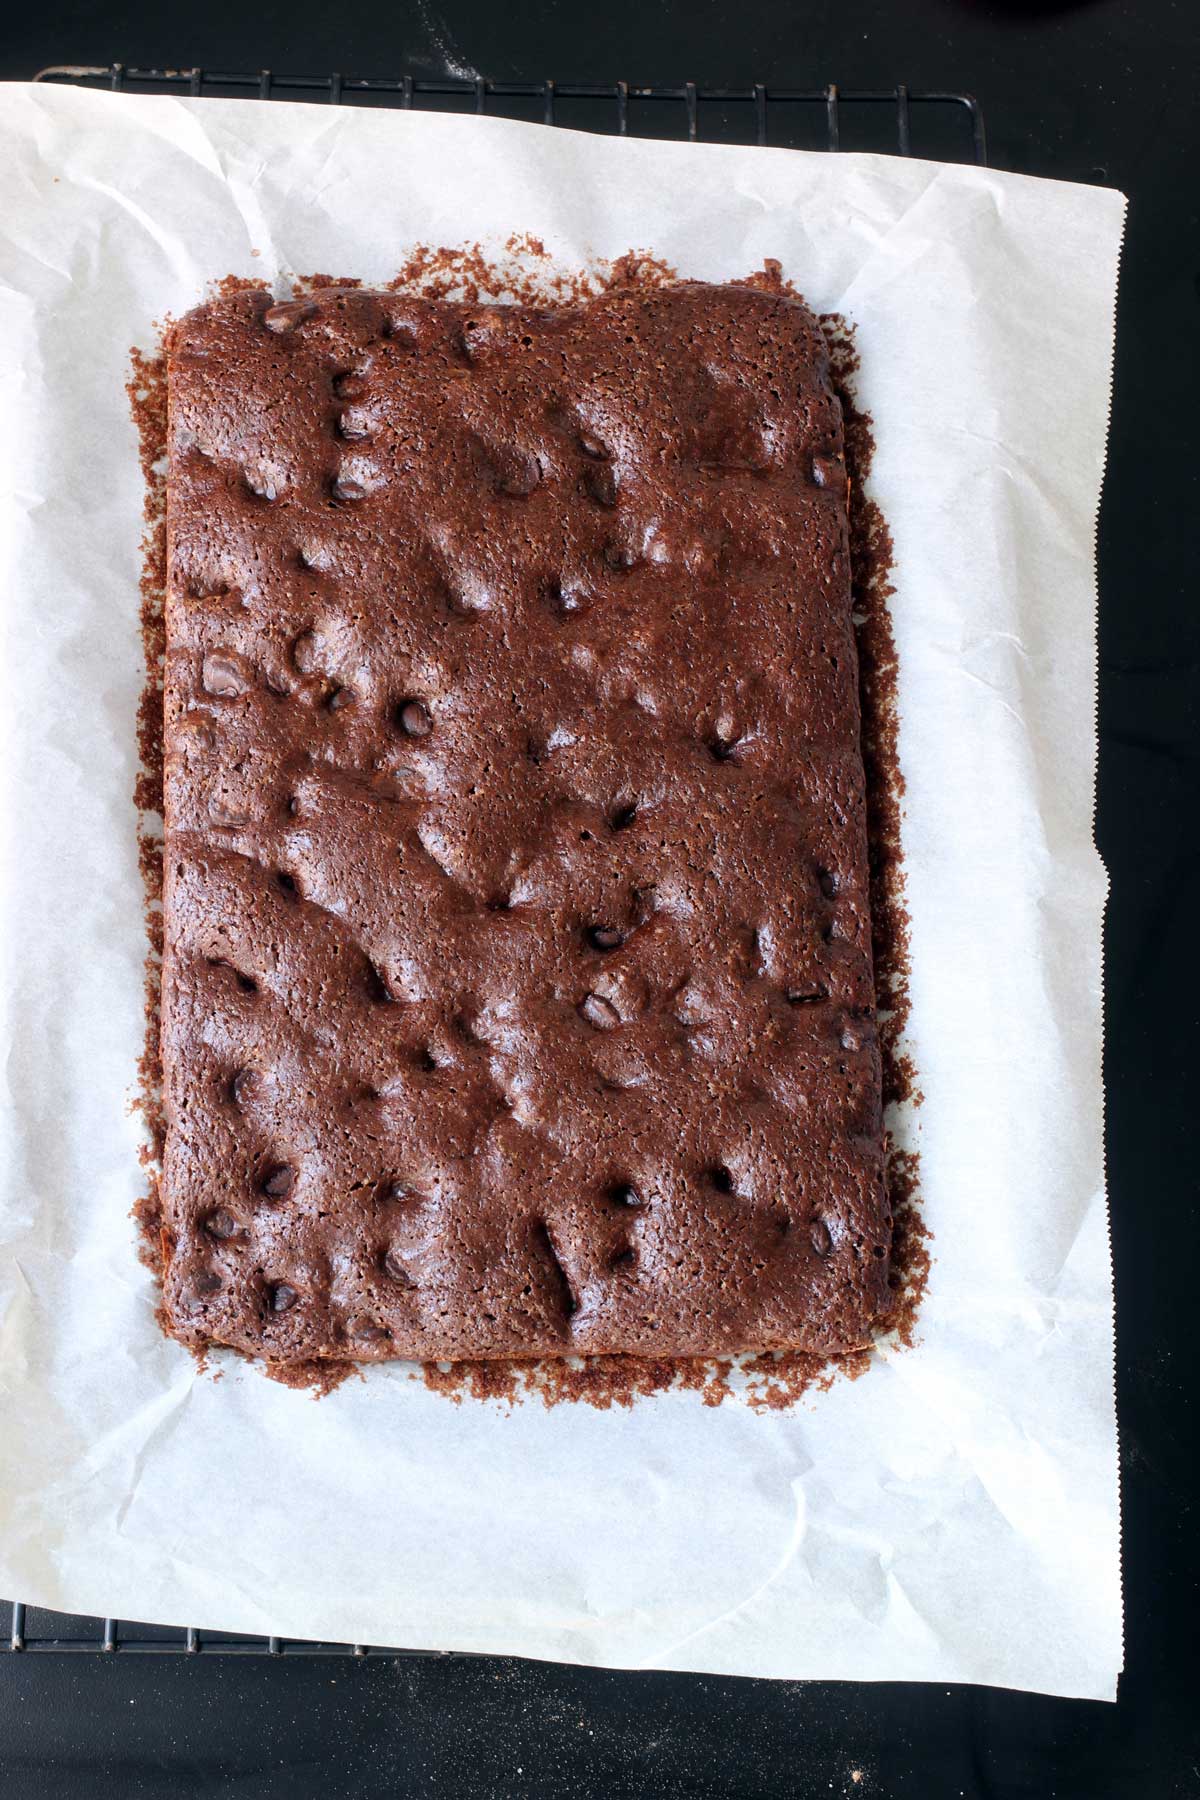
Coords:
517,990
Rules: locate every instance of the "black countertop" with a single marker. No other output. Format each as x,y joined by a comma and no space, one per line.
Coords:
1102,91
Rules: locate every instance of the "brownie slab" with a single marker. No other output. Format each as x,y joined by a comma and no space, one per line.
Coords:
517,989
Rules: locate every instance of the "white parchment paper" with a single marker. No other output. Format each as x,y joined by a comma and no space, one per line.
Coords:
952,1516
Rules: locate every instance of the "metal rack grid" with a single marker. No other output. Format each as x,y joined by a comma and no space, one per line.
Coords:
31,1629
759,114
829,117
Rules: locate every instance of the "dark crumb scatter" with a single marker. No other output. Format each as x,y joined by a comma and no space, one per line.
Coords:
147,391
773,1378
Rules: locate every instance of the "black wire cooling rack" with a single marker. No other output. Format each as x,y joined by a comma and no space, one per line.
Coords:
948,127
26,1629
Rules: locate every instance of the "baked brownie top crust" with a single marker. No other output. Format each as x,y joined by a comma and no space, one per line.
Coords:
517,994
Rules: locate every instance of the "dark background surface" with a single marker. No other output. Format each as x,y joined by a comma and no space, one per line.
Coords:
1100,91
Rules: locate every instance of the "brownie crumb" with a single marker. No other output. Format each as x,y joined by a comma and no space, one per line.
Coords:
147,392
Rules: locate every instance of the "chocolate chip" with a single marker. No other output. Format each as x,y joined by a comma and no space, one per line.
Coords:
306,652
221,1224
623,1193
819,1236
600,1013
283,1297
225,817
518,476
414,719
564,600
722,748
393,1263
467,591
721,1178
624,816
287,314
591,445
245,1086
353,427
351,386
475,339
827,882
377,985
600,483
261,483
246,982
807,996
366,1331
398,1193
194,733
279,1180
223,676
346,488
605,937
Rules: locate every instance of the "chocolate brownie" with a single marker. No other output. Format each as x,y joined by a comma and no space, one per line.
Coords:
517,992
